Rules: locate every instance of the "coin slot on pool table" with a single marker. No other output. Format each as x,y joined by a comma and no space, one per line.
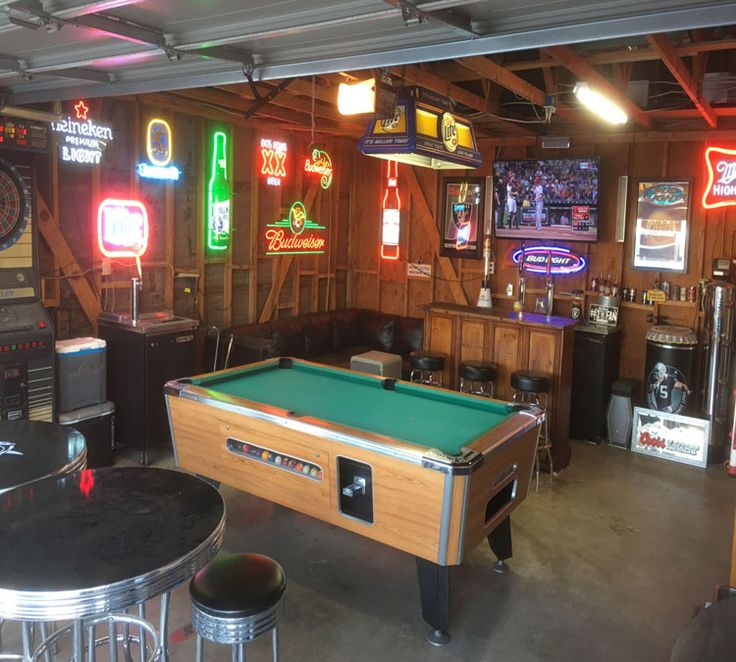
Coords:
355,489
501,499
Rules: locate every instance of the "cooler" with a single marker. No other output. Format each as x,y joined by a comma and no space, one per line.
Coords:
97,424
81,373
669,377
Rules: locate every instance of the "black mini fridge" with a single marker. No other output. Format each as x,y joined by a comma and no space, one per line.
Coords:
141,358
595,368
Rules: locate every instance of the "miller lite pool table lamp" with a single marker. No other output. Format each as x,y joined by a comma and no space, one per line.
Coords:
423,131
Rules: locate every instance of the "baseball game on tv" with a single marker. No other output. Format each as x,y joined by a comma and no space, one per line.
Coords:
546,199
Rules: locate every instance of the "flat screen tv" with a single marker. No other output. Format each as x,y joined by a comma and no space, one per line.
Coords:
546,199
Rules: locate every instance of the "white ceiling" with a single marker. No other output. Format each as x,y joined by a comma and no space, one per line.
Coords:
73,51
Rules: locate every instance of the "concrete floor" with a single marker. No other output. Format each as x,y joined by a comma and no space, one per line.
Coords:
608,564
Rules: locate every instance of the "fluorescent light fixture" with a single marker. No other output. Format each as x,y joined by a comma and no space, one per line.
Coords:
357,98
600,105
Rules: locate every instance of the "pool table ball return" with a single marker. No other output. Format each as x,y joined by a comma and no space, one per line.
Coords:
429,471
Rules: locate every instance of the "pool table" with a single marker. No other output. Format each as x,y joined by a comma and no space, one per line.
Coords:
428,471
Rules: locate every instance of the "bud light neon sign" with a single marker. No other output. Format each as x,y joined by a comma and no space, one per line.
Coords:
122,228
721,188
564,261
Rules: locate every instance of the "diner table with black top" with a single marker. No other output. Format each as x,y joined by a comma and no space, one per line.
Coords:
31,450
95,542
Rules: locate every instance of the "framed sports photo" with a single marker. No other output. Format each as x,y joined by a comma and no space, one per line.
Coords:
463,216
662,218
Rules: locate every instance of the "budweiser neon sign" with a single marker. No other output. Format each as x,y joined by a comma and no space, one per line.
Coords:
720,191
564,261
273,160
295,235
320,164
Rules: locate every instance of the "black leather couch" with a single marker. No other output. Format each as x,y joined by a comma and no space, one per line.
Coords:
331,338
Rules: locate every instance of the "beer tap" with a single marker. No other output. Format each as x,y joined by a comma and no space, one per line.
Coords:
549,285
522,281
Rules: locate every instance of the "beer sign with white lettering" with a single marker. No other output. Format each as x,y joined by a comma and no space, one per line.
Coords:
122,228
563,260
720,191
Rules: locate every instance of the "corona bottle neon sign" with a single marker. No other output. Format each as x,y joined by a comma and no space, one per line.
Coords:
273,160
218,213
720,190
295,235
122,228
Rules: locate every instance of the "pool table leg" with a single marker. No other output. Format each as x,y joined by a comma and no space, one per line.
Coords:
434,589
500,541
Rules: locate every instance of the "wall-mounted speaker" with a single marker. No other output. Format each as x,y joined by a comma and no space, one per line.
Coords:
623,189
555,142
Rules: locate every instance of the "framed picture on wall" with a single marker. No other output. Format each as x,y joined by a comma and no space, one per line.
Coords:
463,216
662,218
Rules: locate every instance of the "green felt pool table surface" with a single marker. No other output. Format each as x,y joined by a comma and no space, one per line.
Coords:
425,416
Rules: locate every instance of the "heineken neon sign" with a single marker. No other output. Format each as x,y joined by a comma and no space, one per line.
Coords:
296,234
81,139
320,164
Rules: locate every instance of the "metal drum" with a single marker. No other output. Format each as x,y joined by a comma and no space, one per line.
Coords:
669,377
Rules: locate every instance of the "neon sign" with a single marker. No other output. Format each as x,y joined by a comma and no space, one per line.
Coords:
122,228
295,235
81,140
721,188
218,195
320,164
391,208
564,261
159,148
273,160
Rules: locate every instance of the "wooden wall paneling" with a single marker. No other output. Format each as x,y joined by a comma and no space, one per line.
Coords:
506,349
424,214
201,219
443,337
475,341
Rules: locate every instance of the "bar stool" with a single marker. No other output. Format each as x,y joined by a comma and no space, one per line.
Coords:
427,367
477,377
235,599
528,387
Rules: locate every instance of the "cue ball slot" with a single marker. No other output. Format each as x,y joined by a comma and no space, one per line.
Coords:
355,489
500,500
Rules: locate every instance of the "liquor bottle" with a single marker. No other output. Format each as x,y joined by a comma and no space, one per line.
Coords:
218,196
594,284
391,212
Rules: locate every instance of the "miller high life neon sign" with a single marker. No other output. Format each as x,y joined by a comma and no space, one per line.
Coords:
122,228
295,235
720,191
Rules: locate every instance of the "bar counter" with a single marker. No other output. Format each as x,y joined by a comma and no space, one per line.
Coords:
512,341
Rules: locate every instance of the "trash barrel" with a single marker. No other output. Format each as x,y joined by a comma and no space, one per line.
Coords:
669,377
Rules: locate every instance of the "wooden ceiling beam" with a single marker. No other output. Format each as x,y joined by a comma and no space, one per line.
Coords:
580,68
418,76
486,68
663,46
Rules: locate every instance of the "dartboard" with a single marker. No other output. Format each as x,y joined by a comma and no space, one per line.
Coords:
13,205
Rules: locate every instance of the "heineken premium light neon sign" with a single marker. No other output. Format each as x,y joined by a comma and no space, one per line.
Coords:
81,139
295,235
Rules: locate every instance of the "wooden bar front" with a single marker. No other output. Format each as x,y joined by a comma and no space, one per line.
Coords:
512,342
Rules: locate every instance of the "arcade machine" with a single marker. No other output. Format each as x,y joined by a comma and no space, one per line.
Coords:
26,333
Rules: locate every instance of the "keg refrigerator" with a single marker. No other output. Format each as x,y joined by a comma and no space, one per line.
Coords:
717,377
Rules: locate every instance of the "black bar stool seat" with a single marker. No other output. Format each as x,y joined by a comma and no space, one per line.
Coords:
530,382
477,377
235,599
427,367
